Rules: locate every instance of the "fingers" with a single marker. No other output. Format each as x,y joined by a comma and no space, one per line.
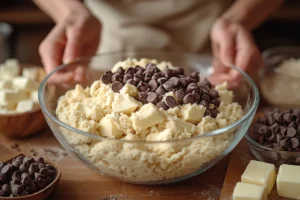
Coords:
52,48
74,45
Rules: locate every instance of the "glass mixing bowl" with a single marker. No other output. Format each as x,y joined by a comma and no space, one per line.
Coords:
144,162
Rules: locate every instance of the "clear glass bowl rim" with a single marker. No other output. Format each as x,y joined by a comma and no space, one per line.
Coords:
98,137
256,144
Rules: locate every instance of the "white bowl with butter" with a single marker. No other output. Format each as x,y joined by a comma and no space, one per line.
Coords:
141,143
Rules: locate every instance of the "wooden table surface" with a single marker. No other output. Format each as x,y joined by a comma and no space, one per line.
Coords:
79,182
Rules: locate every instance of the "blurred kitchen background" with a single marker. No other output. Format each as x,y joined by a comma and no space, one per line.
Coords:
23,27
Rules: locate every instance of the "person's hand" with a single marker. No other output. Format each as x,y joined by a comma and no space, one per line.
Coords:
75,36
232,44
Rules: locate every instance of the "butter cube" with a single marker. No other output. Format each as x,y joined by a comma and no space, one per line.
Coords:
5,84
25,84
288,181
147,116
108,128
123,103
26,105
247,191
260,173
12,96
32,73
34,96
192,113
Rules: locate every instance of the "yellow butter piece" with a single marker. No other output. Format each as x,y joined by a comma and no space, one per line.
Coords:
34,96
26,105
260,173
12,95
247,191
192,113
25,83
288,181
149,115
123,103
108,128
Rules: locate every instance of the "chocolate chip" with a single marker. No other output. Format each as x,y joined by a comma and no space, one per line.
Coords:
117,77
189,98
153,85
106,79
15,182
131,82
182,82
156,76
216,102
3,178
167,72
168,86
108,73
16,175
31,189
162,80
17,163
127,77
214,94
174,81
205,97
204,103
152,97
52,173
170,101
278,117
120,70
41,183
6,170
143,87
291,132
295,142
287,118
17,189
162,105
40,160
50,167
263,130
140,72
26,180
6,190
48,179
207,113
37,176
33,168
116,86
179,94
214,113
196,95
160,90
191,87
129,70
196,76
150,67
206,82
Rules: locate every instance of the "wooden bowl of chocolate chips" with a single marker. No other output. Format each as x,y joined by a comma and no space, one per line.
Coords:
28,178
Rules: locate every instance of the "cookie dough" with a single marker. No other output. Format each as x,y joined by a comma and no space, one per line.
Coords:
142,142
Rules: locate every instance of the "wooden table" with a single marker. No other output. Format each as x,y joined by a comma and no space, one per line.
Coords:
79,182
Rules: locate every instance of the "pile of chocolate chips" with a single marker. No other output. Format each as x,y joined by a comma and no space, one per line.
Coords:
278,130
24,176
152,84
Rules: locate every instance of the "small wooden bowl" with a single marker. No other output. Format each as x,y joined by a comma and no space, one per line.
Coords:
44,193
23,124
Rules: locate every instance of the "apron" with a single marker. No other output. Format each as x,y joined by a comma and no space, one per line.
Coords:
179,25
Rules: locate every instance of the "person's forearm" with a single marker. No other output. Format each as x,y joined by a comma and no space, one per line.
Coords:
250,13
59,9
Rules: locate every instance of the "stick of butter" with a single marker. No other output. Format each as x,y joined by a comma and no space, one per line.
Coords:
260,173
288,181
247,191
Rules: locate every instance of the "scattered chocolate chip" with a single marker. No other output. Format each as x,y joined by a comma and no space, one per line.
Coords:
26,180
138,78
6,170
291,132
117,86
6,189
167,72
295,142
205,97
33,168
214,94
170,101
16,175
160,90
191,87
196,76
24,167
196,95
106,79
174,81
41,183
117,77
17,190
3,178
120,70
162,80
169,86
179,94
204,103
214,113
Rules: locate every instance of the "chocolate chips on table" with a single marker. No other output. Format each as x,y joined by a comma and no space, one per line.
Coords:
279,130
153,84
25,175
